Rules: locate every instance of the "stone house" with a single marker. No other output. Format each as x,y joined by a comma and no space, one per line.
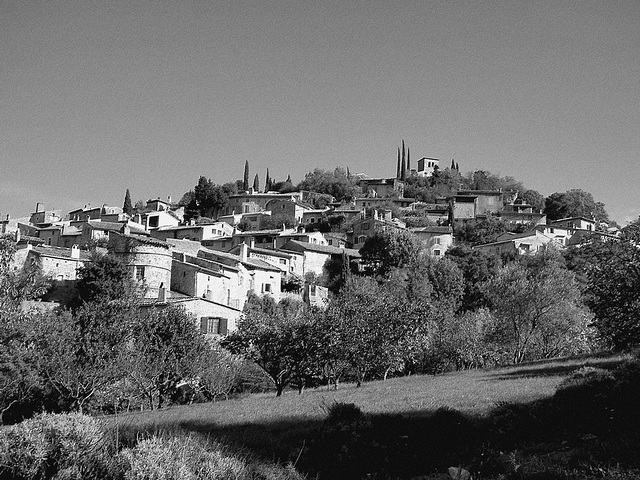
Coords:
194,232
382,187
311,258
149,259
436,240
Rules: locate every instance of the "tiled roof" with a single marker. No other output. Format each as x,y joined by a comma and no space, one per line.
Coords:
185,246
432,229
251,263
60,252
146,240
296,246
108,226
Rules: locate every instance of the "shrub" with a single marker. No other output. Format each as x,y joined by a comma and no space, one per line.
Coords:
344,446
193,458
66,445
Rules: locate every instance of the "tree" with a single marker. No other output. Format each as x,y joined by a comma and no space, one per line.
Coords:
19,380
165,348
362,331
245,178
335,183
478,232
107,279
574,203
611,271
278,338
388,249
533,198
127,207
538,308
77,353
476,267
267,182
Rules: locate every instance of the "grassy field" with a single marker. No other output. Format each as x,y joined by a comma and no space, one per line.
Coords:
473,392
411,425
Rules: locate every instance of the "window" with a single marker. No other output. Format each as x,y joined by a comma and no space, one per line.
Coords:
283,261
153,221
215,325
266,288
436,253
139,273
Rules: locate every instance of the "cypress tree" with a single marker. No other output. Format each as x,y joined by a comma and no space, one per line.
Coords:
267,182
398,166
453,164
127,207
245,181
256,184
408,161
403,170
457,167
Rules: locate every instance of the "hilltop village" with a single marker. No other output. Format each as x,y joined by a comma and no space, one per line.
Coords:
280,240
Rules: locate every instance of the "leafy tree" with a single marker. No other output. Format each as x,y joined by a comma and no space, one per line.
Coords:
390,249
335,183
19,380
477,267
276,221
77,353
533,198
20,383
574,203
165,348
107,279
362,330
278,338
538,309
127,207
611,271
478,232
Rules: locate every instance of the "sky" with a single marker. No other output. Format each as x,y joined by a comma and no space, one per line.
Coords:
100,96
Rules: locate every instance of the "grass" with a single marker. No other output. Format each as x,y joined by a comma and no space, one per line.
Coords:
474,392
412,425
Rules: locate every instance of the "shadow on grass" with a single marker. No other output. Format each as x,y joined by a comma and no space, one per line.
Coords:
551,368
592,424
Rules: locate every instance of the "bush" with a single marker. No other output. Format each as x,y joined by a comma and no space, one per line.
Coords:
192,458
66,445
344,446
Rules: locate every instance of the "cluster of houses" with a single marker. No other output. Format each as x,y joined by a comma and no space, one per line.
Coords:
212,267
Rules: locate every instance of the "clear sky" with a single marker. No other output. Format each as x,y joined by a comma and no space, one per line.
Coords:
100,96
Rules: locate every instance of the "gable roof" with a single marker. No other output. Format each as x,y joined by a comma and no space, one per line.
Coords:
296,246
231,259
60,252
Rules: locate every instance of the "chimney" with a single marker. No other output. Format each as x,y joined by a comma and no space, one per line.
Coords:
252,242
38,207
169,199
75,252
244,252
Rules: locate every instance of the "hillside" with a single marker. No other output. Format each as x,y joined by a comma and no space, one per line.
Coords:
456,417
